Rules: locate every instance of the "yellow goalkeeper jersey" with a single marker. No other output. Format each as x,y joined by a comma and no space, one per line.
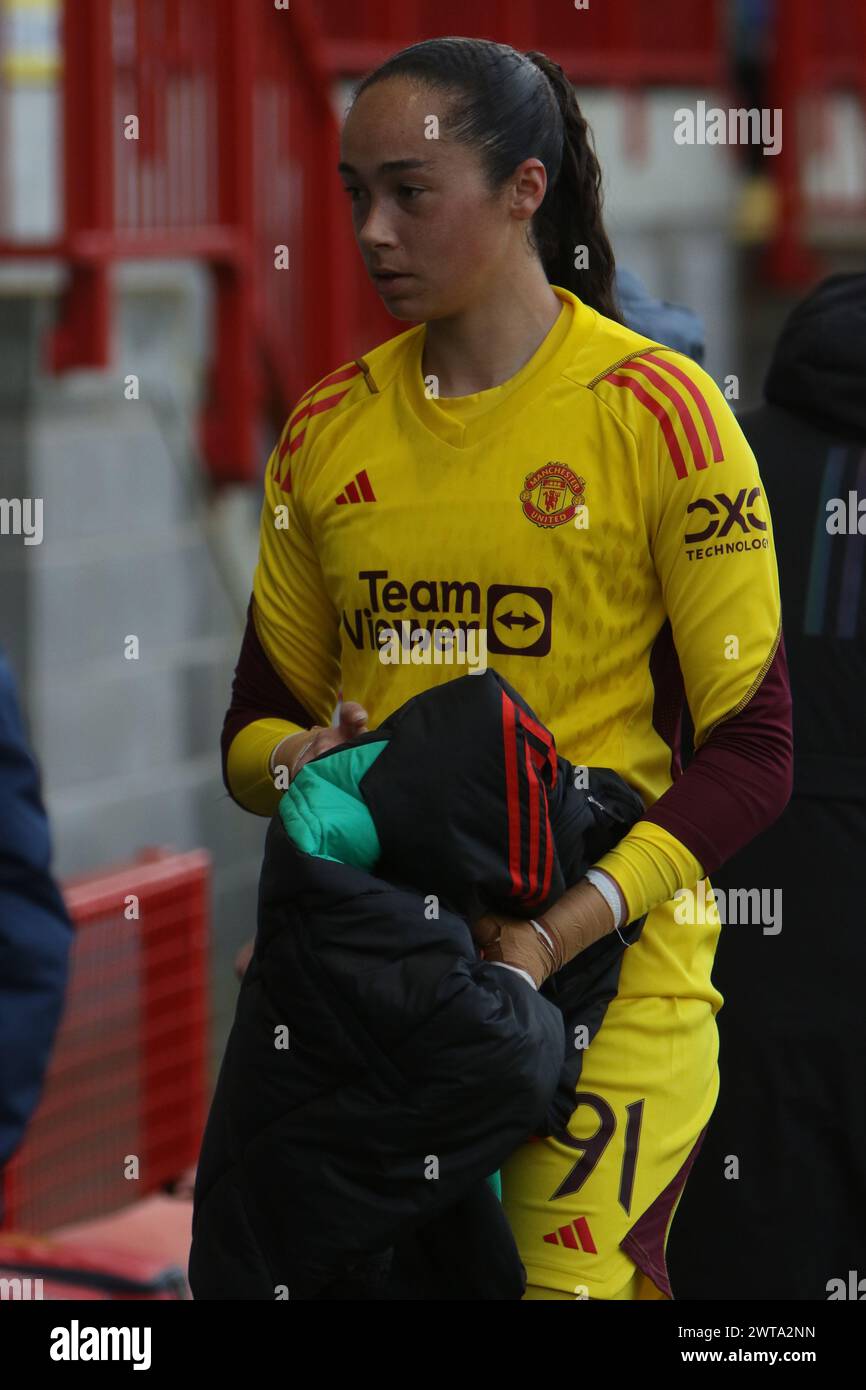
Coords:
594,528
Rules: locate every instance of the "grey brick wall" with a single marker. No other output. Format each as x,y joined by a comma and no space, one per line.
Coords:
133,543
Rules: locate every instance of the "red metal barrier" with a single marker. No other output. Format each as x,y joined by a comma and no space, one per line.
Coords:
818,50
238,143
128,1073
673,41
307,328
235,133
235,157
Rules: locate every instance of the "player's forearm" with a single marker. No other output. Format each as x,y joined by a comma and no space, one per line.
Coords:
263,711
740,778
648,866
738,782
579,918
253,761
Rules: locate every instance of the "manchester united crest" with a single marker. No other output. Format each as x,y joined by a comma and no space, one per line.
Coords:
552,494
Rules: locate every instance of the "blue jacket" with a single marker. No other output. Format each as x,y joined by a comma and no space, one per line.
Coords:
35,929
659,319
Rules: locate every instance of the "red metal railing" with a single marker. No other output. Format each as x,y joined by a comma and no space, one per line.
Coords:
672,41
237,144
819,51
203,129
128,1072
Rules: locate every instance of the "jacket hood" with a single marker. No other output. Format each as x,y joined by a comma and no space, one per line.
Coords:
818,369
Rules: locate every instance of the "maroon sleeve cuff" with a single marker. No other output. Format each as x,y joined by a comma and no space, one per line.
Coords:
258,692
739,780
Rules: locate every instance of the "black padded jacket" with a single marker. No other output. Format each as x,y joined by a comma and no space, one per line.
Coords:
378,1071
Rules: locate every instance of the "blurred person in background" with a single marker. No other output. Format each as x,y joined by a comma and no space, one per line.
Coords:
752,31
674,324
776,1208
35,930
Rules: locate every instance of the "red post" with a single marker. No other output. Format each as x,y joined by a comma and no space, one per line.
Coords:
227,427
788,262
82,336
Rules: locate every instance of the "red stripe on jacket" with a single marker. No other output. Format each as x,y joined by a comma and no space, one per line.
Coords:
512,797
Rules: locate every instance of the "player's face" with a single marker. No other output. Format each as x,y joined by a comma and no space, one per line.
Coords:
434,226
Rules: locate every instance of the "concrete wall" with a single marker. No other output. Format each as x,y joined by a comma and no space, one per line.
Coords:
132,544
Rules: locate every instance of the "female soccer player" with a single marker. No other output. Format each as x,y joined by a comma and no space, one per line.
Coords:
521,467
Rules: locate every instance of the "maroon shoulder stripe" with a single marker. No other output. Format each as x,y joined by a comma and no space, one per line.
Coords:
658,410
679,405
341,374
697,396
291,443
307,406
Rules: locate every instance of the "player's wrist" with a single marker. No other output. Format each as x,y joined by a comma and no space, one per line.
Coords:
611,892
513,941
582,916
286,755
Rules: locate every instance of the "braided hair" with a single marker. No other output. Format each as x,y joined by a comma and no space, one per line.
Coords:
512,106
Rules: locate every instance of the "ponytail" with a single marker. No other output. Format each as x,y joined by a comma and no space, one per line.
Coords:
568,224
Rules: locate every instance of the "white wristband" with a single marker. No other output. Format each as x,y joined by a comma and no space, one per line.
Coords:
608,890
541,932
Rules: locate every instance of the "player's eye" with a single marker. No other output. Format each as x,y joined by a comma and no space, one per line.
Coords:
405,189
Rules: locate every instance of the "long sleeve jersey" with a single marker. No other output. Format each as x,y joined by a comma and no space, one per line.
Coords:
597,530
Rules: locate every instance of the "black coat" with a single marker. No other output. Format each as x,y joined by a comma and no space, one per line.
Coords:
792,1054
353,1163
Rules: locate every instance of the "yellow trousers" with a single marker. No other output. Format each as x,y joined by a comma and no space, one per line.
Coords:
639,1286
591,1210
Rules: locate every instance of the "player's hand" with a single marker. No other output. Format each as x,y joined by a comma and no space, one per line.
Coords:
353,721
513,941
299,749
